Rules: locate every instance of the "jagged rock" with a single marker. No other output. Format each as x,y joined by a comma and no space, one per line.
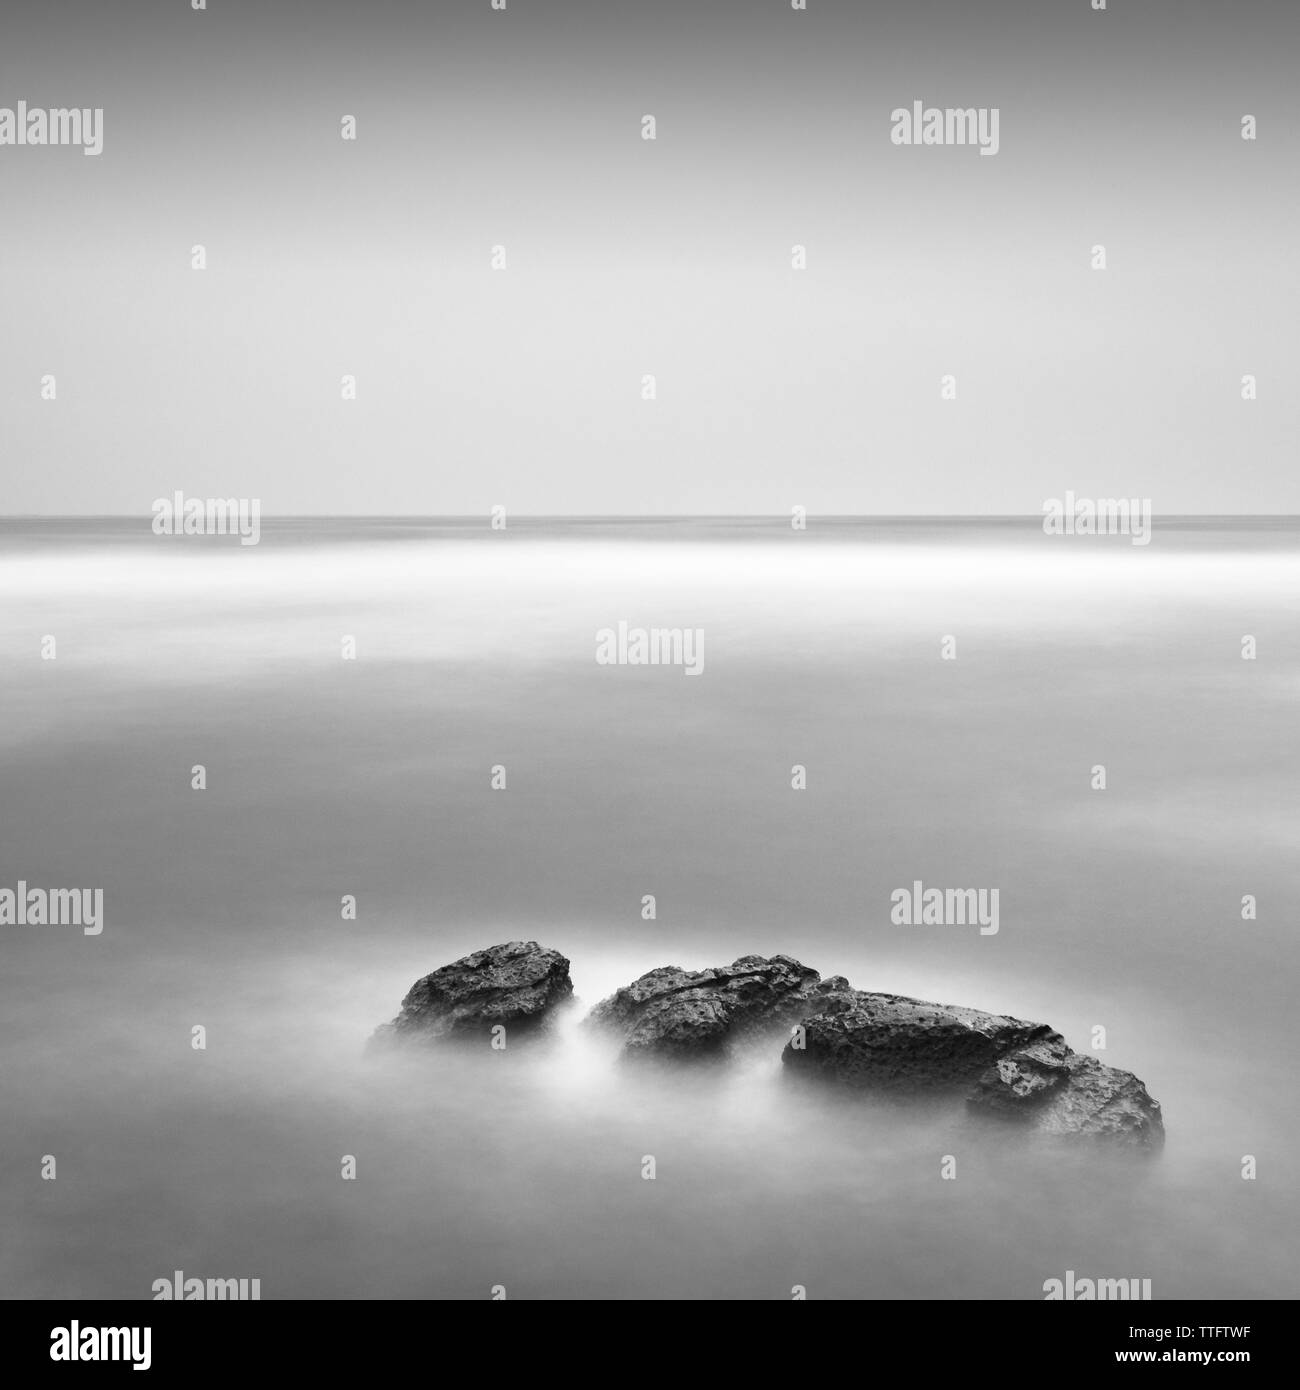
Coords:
1008,1068
1073,1094
518,984
670,1012
888,1042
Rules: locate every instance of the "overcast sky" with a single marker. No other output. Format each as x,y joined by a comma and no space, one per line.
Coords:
627,257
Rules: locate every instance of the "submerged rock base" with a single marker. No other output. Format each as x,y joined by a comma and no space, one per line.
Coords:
517,985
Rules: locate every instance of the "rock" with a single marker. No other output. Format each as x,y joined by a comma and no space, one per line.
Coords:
1071,1095
887,1042
1008,1069
1015,1084
670,1012
518,984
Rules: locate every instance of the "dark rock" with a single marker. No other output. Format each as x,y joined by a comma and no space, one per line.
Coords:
670,1012
1008,1069
1077,1095
518,984
886,1042
1017,1083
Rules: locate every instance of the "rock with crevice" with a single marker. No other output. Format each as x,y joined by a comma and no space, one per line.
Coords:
699,1014
889,1042
519,985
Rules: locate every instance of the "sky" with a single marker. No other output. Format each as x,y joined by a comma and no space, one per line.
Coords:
625,258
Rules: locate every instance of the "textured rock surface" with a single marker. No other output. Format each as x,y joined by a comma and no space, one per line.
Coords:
671,1012
1073,1094
887,1042
1015,1085
518,984
1009,1069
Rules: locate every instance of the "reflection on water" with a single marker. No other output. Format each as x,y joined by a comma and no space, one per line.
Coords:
524,1168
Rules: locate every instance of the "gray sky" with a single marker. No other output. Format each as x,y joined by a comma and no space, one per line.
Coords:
672,257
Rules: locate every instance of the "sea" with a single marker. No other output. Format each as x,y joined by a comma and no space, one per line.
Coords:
409,715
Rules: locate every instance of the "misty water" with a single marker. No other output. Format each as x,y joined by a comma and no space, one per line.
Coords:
523,1168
